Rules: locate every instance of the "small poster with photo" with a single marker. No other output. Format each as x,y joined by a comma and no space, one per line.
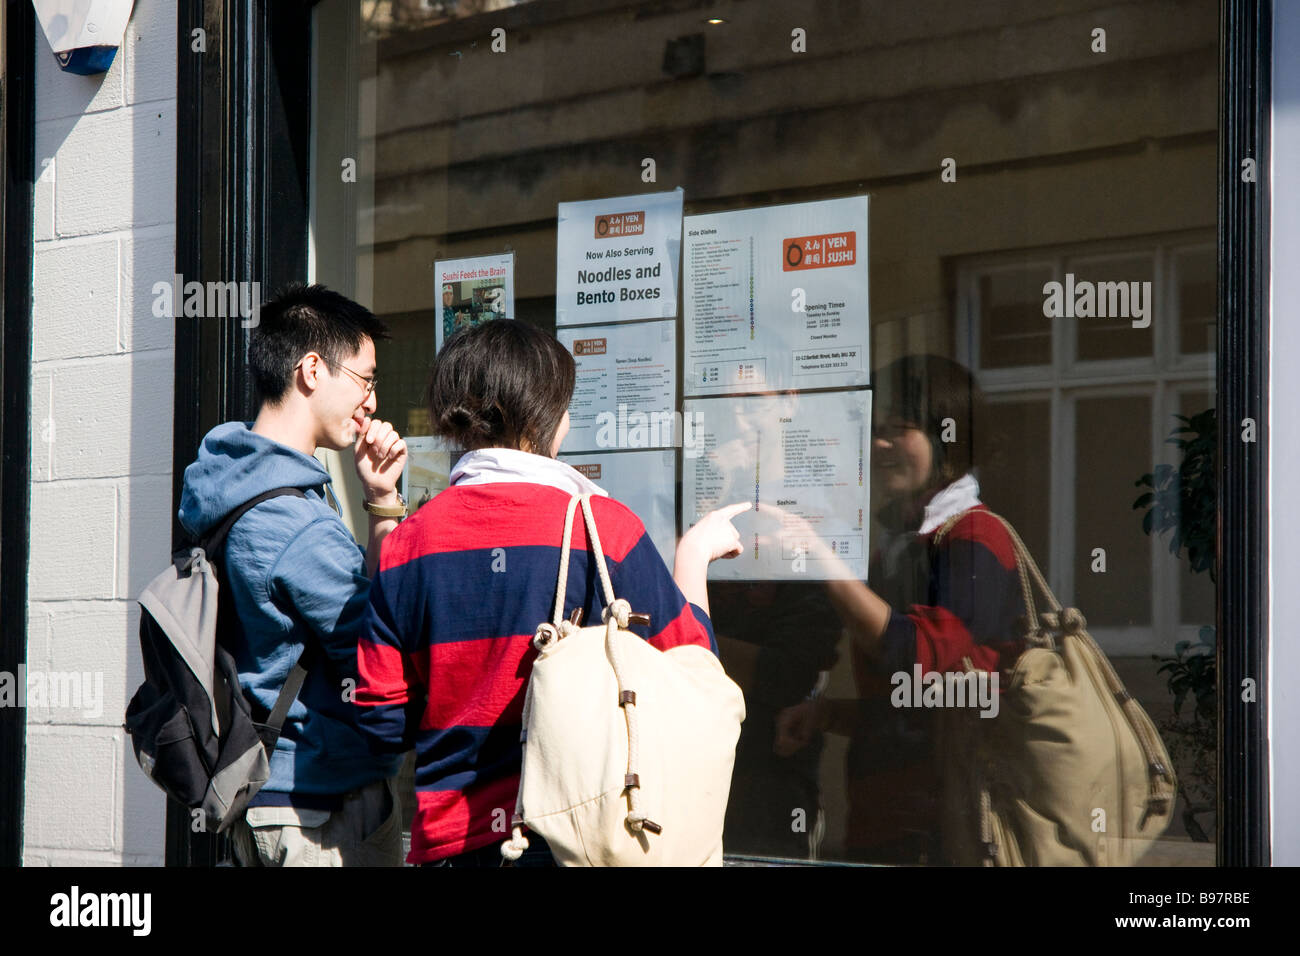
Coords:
473,291
428,470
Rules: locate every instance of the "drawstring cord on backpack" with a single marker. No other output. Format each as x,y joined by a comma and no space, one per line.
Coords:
616,615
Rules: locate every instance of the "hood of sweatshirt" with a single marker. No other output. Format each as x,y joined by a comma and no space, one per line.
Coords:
236,464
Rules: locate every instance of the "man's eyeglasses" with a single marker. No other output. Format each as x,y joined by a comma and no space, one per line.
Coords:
367,383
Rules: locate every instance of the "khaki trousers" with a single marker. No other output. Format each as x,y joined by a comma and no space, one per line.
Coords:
365,831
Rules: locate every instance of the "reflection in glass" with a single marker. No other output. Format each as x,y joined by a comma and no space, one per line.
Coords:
1012,330
1113,304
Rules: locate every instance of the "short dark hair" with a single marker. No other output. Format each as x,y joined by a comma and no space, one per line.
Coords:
925,390
301,319
501,384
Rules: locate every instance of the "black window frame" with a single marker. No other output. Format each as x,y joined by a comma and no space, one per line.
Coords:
18,159
242,141
242,202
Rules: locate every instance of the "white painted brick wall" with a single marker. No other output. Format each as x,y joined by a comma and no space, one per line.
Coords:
101,406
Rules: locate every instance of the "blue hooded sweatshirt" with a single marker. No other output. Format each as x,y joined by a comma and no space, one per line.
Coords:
296,574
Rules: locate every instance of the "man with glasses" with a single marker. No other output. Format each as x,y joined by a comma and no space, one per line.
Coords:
298,580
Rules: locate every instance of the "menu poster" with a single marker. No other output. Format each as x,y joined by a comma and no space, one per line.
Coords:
776,298
616,259
473,291
428,470
625,390
802,460
645,481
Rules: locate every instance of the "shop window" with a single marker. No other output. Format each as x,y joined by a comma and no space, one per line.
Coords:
429,147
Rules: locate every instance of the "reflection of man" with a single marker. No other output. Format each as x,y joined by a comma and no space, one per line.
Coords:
734,458
448,314
776,639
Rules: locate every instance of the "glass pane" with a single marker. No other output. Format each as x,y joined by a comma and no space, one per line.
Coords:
1015,474
382,18
1196,274
1012,328
972,132
1114,305
1112,448
1196,589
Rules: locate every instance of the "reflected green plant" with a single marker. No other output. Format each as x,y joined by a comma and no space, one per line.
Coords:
1183,501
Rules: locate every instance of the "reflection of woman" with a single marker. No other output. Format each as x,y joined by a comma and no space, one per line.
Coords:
946,608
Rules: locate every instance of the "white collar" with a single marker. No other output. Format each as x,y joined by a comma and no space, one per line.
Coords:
488,465
962,495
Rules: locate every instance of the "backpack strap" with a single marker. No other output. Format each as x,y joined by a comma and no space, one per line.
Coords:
215,539
558,626
617,615
594,544
288,693
213,544
562,584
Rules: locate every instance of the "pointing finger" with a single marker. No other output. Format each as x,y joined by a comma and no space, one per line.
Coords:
730,511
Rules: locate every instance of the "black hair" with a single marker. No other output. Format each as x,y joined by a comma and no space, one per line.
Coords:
925,390
501,384
301,319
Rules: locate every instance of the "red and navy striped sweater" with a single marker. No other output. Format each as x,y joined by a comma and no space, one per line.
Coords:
445,653
970,611
952,602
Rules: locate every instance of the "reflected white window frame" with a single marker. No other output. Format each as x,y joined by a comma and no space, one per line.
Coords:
1162,378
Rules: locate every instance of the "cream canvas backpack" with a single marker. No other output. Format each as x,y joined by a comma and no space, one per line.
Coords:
628,750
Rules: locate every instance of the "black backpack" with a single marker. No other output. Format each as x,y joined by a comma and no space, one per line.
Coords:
192,727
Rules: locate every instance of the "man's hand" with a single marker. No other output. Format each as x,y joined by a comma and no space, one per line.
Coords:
380,457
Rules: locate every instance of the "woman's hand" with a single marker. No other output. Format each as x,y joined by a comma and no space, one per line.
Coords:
795,527
796,726
861,609
713,536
